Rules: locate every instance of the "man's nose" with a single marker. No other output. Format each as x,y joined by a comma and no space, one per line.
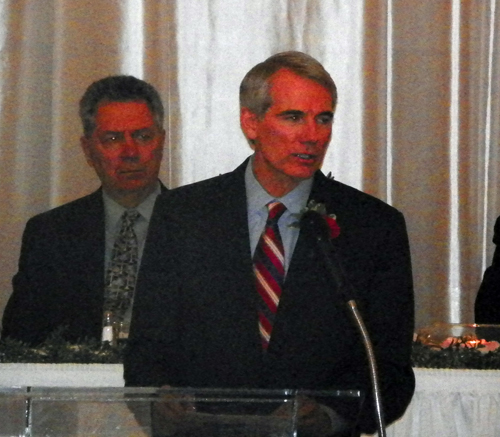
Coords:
310,132
129,149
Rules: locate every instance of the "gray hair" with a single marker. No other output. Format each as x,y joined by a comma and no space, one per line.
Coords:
255,87
118,89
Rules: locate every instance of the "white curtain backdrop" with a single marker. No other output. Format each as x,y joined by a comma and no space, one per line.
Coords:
417,122
219,43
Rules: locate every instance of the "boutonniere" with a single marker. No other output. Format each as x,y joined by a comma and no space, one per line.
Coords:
320,208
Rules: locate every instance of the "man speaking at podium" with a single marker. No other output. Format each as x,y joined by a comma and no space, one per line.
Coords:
233,294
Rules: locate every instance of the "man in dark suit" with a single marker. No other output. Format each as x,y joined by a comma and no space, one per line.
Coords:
60,283
487,305
197,315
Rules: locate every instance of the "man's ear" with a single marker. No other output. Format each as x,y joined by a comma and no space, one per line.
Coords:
85,144
249,123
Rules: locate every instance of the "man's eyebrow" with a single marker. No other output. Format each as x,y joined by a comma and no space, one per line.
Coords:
111,132
146,128
119,132
292,112
301,113
329,113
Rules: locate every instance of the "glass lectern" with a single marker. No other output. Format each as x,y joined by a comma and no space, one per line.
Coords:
138,412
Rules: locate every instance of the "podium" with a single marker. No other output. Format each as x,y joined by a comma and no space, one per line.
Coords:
110,411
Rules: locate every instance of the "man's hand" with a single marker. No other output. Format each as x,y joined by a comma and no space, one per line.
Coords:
175,403
169,413
313,419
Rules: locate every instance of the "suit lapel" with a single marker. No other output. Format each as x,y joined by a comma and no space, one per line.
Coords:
90,246
219,289
304,255
236,243
306,282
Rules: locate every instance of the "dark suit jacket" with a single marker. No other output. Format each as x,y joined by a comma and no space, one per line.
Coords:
195,320
60,280
487,305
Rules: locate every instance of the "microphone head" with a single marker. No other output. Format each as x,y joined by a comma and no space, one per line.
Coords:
314,224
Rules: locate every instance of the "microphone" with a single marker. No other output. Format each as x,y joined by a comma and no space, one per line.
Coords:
314,224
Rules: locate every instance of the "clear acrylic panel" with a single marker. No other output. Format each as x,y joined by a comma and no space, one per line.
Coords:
13,411
157,412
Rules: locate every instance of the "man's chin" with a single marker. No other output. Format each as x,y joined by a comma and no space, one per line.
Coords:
302,175
133,180
124,177
131,186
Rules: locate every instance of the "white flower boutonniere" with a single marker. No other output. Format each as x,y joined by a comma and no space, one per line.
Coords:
320,208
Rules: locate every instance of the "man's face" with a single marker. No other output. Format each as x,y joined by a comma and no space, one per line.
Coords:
291,139
125,148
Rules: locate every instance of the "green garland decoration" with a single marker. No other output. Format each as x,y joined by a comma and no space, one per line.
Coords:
454,357
57,350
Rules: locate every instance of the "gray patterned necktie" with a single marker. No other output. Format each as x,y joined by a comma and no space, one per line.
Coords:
122,270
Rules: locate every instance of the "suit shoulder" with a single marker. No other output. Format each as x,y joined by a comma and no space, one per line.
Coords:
357,200
207,192
496,232
71,211
205,186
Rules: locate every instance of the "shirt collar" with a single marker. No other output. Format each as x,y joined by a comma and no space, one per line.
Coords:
258,197
113,210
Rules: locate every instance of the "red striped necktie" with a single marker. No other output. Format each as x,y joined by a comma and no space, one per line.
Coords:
268,262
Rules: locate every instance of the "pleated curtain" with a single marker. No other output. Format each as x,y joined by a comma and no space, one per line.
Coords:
417,123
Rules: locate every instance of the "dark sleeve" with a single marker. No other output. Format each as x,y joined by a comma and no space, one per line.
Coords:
387,307
487,305
23,316
58,285
391,322
153,356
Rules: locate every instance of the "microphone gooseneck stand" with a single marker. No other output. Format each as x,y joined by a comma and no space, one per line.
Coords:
315,224
377,400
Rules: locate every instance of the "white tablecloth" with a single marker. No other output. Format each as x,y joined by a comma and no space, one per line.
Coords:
452,403
61,375
447,403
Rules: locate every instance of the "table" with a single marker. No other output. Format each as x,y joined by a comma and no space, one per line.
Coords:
447,403
61,375
452,403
